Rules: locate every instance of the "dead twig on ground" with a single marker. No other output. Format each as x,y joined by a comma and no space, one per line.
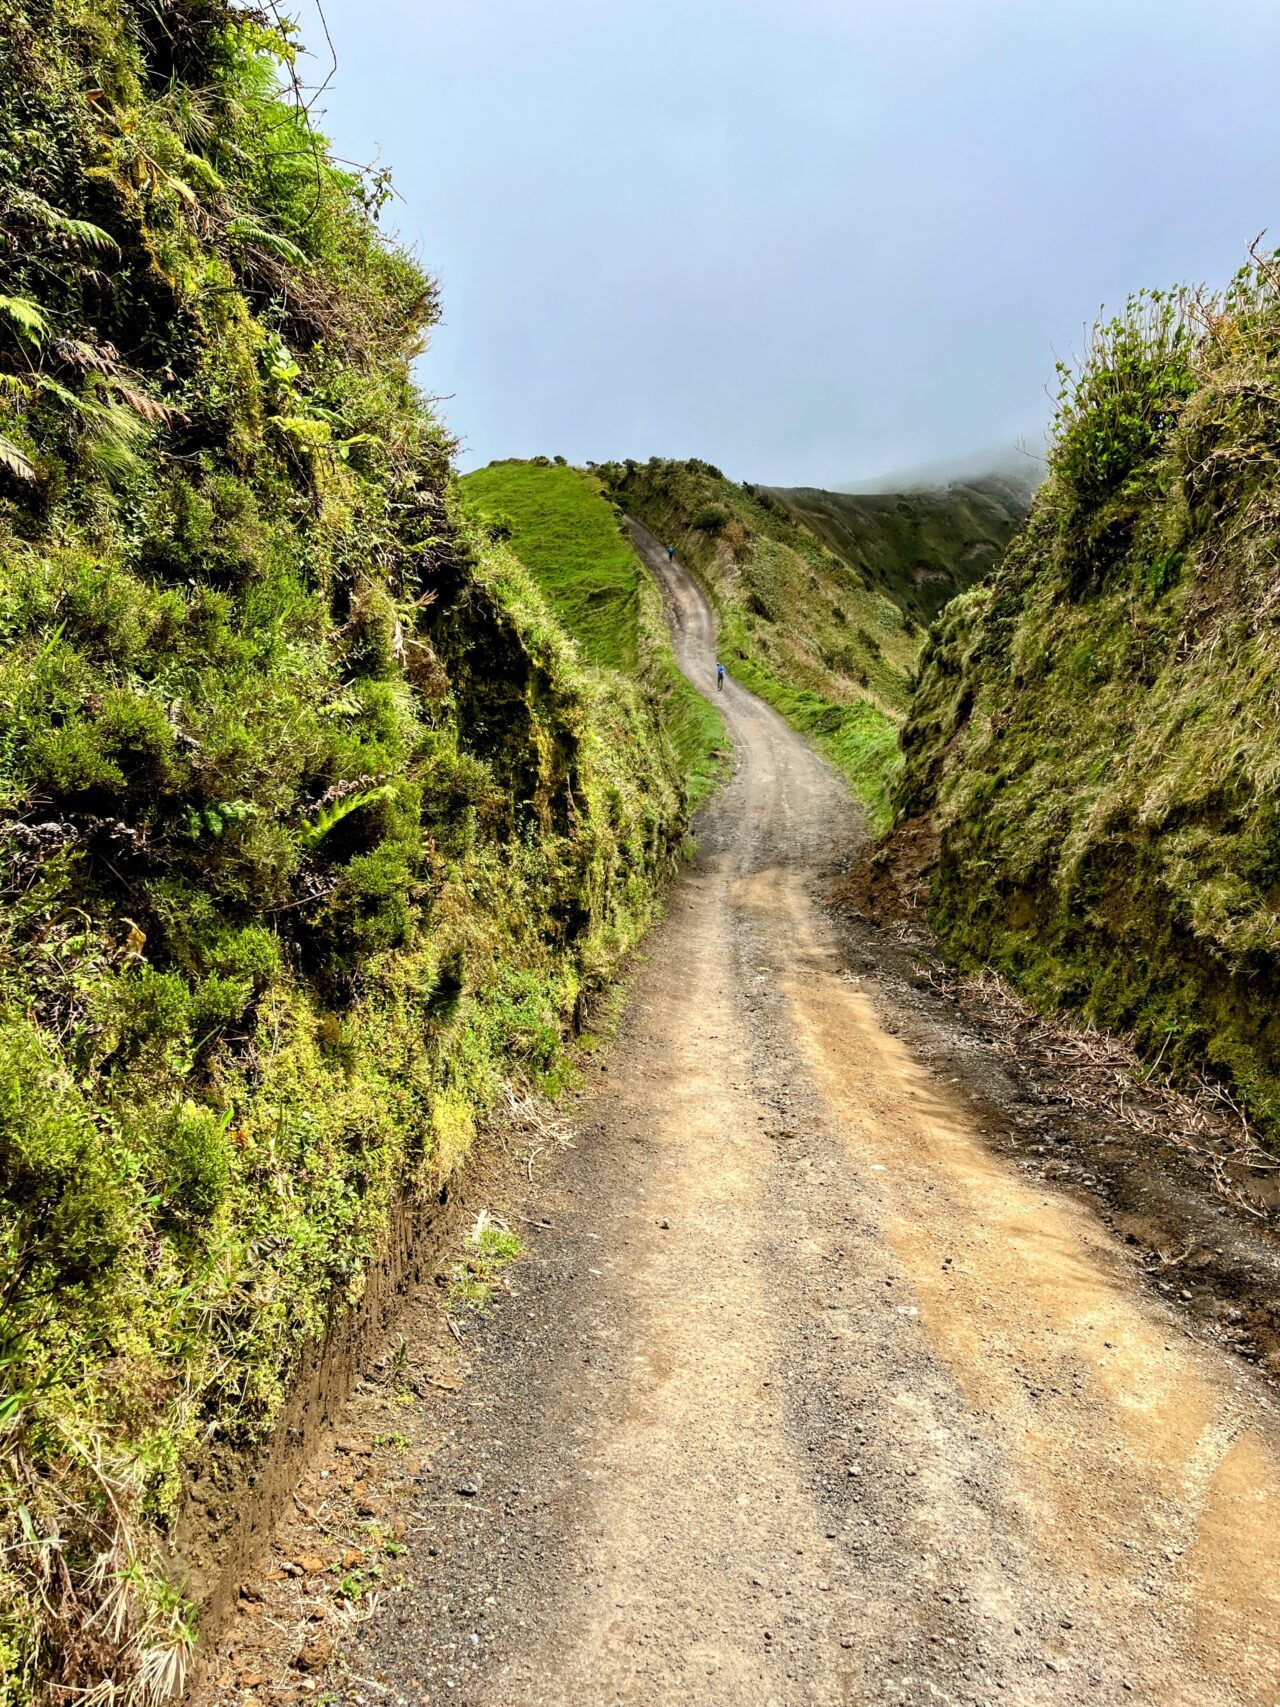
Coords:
1202,1120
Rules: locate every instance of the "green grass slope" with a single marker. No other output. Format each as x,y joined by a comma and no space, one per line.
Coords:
1096,735
569,536
566,534
824,629
314,822
920,548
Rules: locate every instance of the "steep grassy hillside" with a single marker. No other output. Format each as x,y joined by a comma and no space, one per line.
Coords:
920,548
313,823
568,535
1096,736
825,631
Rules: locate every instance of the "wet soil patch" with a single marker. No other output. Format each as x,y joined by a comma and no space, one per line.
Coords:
1174,1173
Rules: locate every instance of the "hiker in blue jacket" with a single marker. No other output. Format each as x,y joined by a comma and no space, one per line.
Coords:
671,554
719,678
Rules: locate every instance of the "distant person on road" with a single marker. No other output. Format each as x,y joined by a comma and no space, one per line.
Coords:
719,678
671,554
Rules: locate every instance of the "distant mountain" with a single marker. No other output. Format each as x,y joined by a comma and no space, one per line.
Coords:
919,547
1023,470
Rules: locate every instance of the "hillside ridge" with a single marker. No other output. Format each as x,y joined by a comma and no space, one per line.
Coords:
822,598
921,546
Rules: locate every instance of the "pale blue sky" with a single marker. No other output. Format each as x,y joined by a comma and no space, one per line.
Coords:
811,241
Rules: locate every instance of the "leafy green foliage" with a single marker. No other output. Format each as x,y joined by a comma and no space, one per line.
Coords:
1114,415
1096,734
329,816
313,824
1115,409
26,319
15,462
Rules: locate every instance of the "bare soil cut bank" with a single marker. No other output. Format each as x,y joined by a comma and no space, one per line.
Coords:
231,1510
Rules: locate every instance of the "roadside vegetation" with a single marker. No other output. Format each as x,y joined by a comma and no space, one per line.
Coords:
824,628
570,538
490,1246
315,823
1095,740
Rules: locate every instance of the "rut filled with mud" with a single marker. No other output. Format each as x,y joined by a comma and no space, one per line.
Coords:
802,1392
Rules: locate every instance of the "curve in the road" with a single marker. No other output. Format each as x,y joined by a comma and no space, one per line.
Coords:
806,1397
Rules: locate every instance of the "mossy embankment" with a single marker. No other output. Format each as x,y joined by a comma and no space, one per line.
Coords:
1095,740
569,536
824,629
314,821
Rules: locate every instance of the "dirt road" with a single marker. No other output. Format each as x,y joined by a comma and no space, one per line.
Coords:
804,1396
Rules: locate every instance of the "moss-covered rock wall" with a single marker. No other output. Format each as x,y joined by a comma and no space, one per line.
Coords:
313,824
1096,731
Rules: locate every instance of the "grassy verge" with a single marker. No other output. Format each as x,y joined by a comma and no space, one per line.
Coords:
860,741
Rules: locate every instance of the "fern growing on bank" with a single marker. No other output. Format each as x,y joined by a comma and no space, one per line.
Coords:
313,824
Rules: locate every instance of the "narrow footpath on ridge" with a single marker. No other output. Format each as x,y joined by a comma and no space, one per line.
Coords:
802,1394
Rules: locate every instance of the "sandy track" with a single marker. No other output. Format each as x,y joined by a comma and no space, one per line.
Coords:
806,1397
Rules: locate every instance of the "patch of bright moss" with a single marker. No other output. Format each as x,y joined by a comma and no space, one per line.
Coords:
561,525
315,824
